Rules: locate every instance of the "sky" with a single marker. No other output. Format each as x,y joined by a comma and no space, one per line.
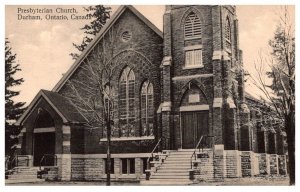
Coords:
43,47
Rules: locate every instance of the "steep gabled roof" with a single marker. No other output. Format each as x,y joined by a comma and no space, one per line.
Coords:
99,36
61,105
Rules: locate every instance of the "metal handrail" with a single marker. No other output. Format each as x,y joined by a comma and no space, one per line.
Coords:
16,161
7,162
194,153
198,144
11,162
148,160
48,155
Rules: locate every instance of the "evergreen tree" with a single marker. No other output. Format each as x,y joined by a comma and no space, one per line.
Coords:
13,110
99,15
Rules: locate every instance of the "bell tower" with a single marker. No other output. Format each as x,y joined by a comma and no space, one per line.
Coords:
201,51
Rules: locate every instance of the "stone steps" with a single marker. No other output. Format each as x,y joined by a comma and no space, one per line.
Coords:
174,170
14,181
176,166
19,177
166,182
183,173
23,174
160,176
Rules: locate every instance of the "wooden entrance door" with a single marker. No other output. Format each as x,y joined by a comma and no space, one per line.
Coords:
194,124
44,143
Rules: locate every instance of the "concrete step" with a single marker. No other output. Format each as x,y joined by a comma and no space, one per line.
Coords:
18,177
169,177
162,173
172,163
24,171
166,182
177,160
172,170
26,168
181,153
176,166
178,157
14,181
165,167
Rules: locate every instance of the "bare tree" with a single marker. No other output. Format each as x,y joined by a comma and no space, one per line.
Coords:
94,97
275,78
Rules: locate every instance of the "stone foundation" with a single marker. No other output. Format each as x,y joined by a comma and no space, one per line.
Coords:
233,163
64,167
255,164
203,167
246,163
219,163
282,167
87,168
91,167
262,161
273,164
51,175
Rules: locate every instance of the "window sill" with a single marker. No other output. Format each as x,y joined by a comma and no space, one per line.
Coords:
129,138
192,38
193,67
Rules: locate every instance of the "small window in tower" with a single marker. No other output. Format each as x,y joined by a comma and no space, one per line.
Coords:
193,58
228,34
126,36
192,26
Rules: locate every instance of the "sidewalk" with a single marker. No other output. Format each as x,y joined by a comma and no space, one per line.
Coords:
253,181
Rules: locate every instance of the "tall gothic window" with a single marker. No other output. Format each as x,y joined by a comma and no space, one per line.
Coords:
193,41
108,101
147,108
228,33
192,26
126,99
109,95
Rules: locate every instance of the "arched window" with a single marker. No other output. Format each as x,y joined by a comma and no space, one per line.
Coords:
192,26
108,96
108,100
147,108
193,41
126,102
227,30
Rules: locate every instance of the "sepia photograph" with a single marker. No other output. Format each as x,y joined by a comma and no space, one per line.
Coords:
150,95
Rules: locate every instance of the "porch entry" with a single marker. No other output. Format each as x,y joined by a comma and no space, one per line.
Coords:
44,143
194,124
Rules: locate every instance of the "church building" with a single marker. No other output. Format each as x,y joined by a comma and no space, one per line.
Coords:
166,92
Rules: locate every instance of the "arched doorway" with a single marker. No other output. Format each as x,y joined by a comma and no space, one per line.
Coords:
43,139
194,117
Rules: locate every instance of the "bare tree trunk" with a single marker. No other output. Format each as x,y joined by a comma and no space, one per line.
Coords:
290,129
108,152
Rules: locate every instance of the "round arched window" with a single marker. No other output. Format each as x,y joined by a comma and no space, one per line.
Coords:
126,36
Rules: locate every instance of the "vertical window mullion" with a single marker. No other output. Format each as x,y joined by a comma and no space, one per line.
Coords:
127,106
